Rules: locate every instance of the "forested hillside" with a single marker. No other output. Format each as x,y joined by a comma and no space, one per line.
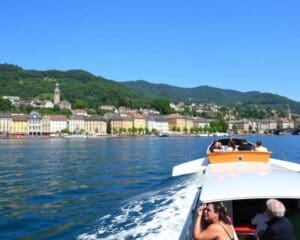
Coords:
85,90
79,87
206,94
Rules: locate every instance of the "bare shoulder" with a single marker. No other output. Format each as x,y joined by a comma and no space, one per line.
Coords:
214,227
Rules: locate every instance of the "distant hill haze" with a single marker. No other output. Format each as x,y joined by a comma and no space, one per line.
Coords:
82,88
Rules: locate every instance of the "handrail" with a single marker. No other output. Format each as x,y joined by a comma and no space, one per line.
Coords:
188,227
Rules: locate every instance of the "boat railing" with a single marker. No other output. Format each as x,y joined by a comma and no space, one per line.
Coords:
188,227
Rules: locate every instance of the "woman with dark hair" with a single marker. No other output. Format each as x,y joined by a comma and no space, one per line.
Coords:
216,146
231,146
219,226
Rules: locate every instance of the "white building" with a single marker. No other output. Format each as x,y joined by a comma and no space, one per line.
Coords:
284,123
12,99
76,124
46,125
46,104
160,124
57,123
201,122
5,123
34,124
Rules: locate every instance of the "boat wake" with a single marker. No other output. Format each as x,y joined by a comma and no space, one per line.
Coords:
156,215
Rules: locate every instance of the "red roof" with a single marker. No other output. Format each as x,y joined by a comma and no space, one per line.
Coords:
175,115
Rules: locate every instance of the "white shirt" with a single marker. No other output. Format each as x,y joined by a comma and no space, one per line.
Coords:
261,149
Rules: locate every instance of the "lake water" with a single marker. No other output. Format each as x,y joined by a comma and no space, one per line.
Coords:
109,188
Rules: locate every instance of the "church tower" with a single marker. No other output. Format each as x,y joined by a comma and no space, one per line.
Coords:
288,112
56,94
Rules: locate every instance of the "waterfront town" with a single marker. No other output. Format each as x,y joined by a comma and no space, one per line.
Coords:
125,121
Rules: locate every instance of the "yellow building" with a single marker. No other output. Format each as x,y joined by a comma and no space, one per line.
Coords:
139,121
176,121
189,123
116,124
127,123
95,125
19,124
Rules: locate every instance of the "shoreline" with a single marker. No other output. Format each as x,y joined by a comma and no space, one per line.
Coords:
131,136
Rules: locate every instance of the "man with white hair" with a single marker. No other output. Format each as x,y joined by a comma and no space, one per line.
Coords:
279,227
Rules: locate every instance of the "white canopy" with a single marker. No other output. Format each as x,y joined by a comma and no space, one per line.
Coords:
249,180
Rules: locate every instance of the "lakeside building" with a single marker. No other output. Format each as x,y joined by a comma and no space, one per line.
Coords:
159,123
5,123
115,123
189,123
57,123
202,122
46,125
176,121
139,121
127,122
266,125
241,126
76,124
284,123
95,125
19,126
34,124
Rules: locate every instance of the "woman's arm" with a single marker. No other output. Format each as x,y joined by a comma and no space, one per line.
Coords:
197,227
209,233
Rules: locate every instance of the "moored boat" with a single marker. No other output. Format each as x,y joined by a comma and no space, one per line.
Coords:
163,134
243,181
74,136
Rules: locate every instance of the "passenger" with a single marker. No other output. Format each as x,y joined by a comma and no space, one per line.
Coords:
231,146
216,146
218,224
259,147
260,220
244,146
279,227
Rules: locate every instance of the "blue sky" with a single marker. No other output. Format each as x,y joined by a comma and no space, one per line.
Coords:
243,45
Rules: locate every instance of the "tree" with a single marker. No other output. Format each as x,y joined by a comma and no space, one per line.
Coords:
162,105
5,105
109,128
185,130
56,108
79,104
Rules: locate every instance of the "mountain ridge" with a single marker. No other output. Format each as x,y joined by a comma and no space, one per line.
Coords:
207,94
91,91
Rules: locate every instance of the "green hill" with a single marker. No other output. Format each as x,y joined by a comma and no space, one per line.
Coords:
206,94
77,86
84,89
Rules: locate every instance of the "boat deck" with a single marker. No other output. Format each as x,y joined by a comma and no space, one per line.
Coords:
248,180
